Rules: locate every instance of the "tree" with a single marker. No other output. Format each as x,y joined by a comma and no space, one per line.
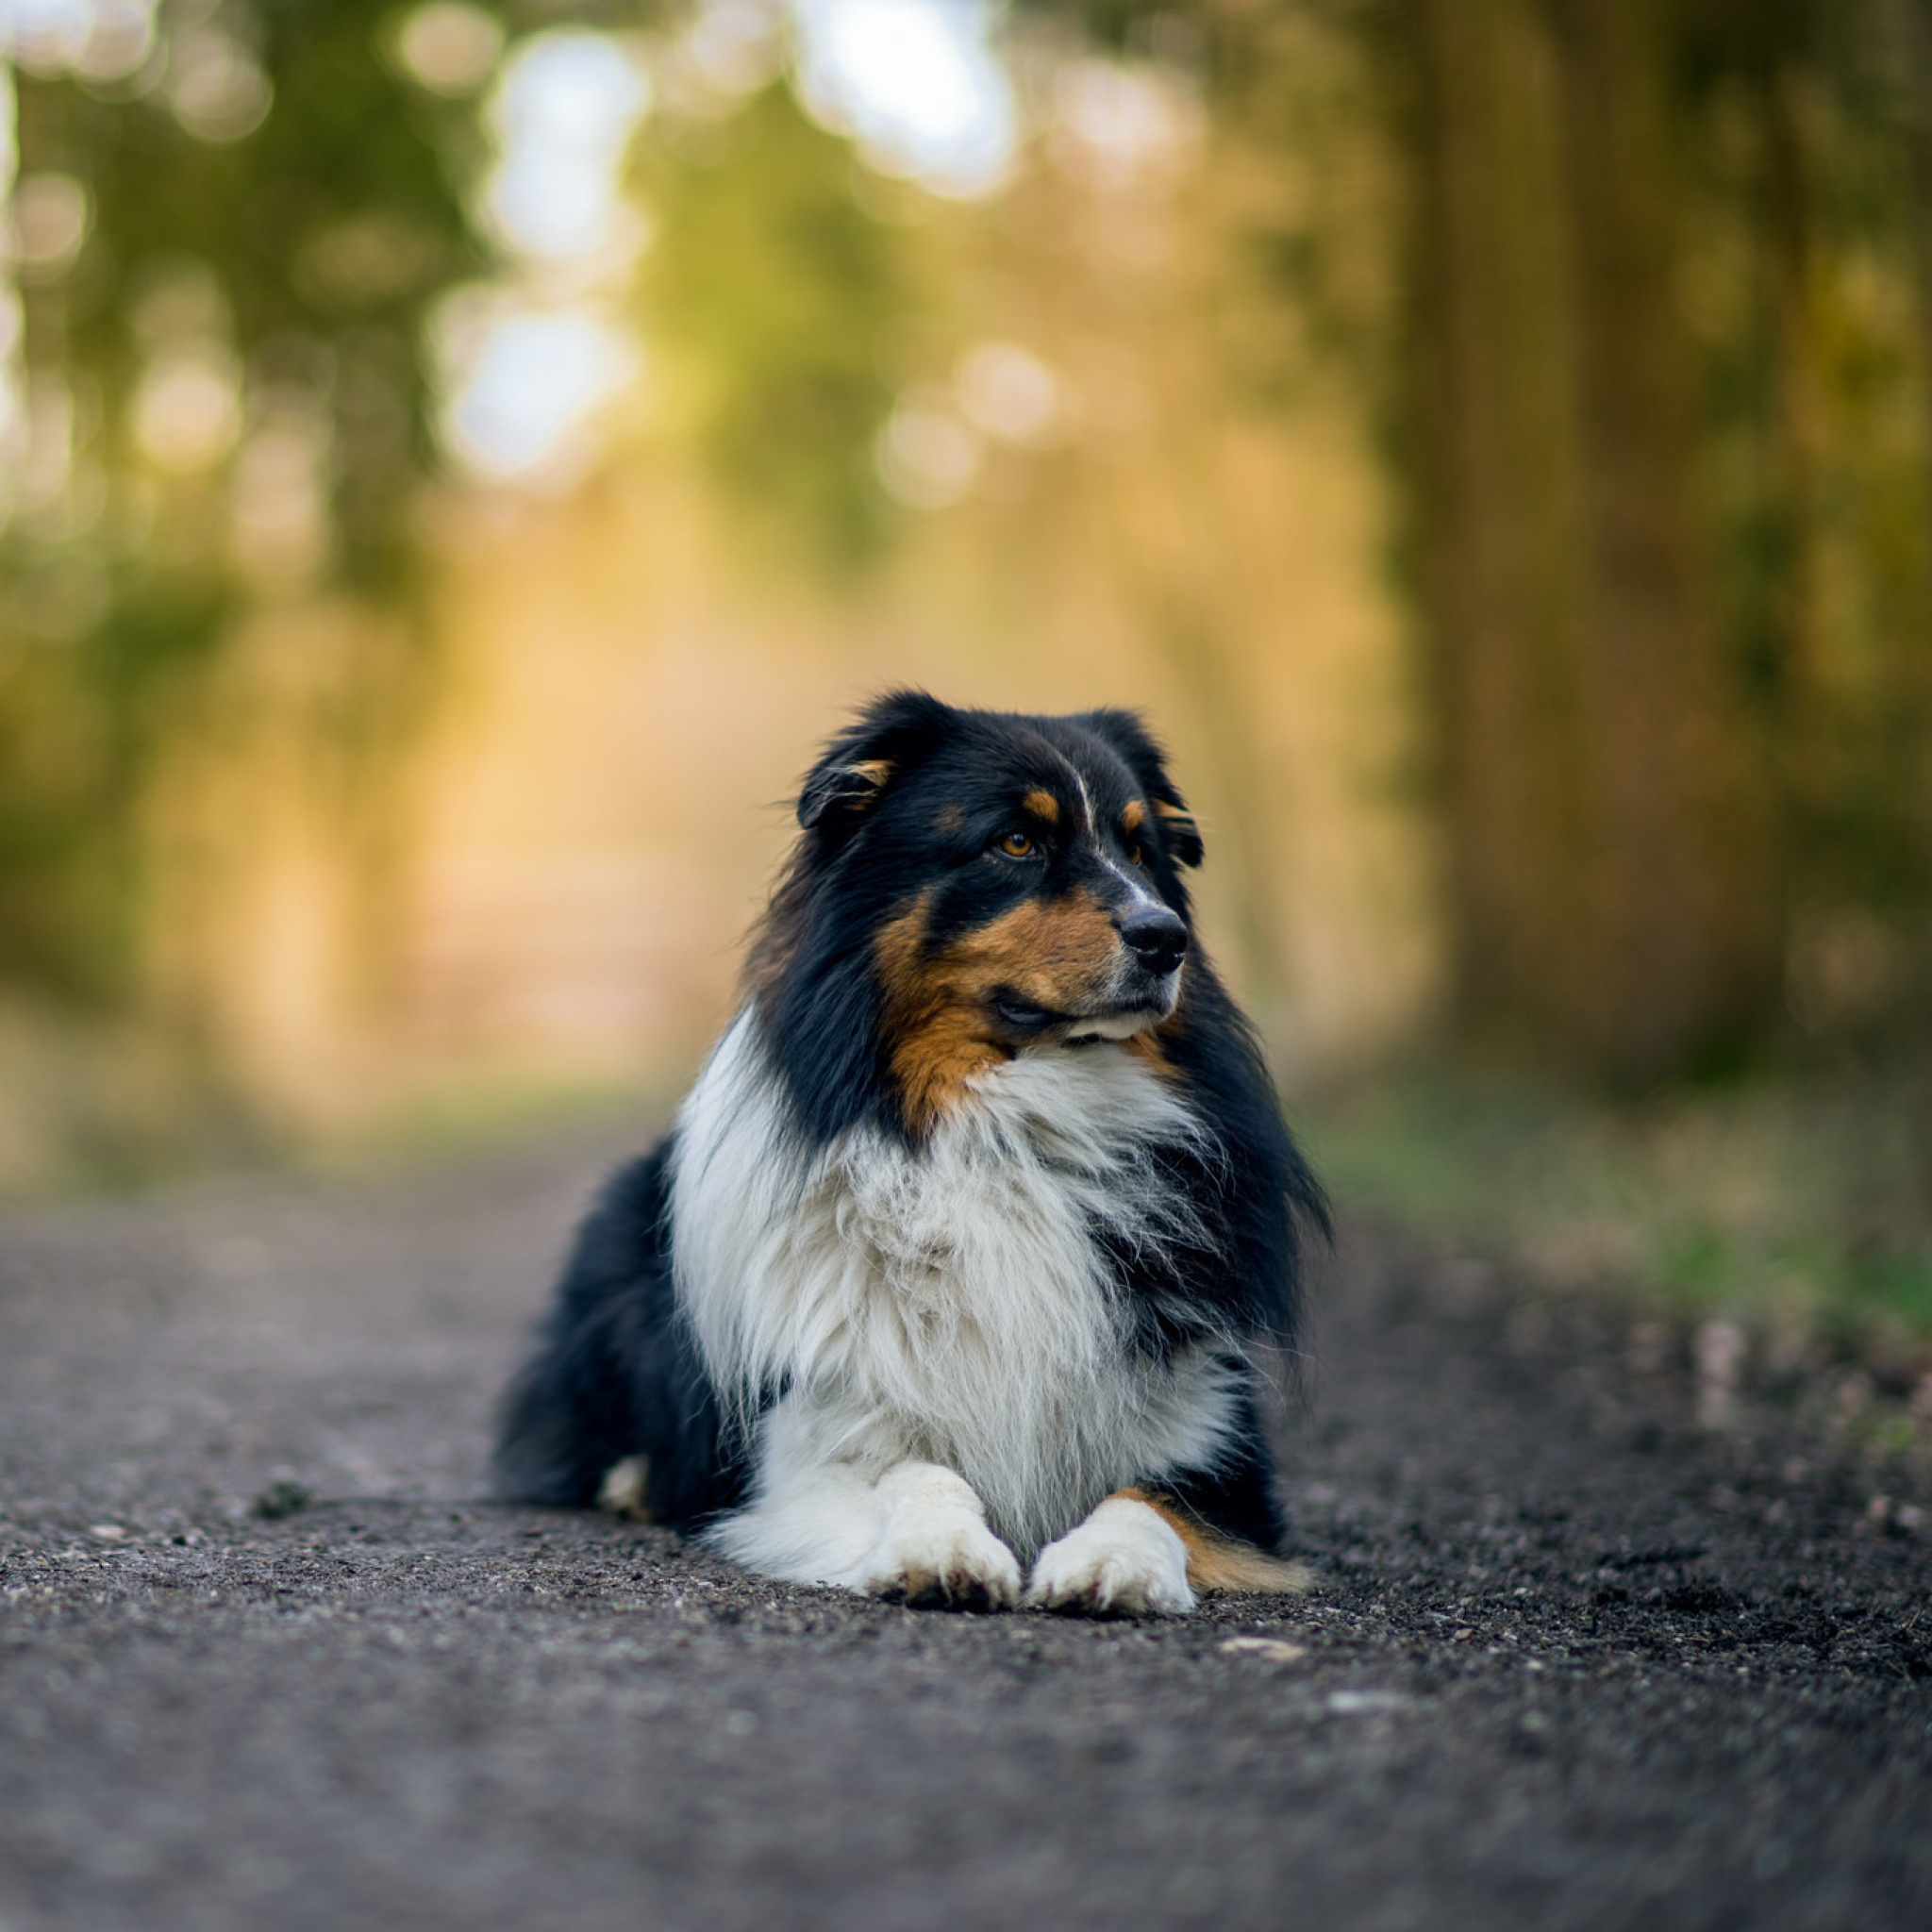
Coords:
235,233
1669,416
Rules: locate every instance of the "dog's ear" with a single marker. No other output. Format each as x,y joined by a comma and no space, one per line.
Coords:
1142,754
886,740
846,788
1183,834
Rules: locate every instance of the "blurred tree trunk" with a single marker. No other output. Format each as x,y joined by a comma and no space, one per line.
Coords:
1793,483
1919,63
1605,860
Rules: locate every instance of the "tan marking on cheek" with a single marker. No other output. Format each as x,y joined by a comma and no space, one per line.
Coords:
1219,1565
939,1025
1057,953
1043,806
1133,817
1153,1044
933,1061
896,953
935,1038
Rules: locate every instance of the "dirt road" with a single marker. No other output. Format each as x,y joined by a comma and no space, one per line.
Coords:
1573,1661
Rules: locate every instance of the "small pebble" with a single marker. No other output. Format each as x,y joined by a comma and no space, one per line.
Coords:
1356,1703
1272,1648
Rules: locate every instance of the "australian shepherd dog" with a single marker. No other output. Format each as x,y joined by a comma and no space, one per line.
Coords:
955,1279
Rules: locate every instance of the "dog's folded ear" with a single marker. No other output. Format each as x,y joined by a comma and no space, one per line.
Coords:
842,791
890,737
1147,761
1183,835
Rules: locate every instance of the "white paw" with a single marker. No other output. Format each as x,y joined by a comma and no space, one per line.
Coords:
1123,1561
626,1489
935,1551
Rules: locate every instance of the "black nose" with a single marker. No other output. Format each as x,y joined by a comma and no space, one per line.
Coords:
1155,936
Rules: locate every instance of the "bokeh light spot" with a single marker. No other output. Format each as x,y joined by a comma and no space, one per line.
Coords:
448,48
927,456
1006,392
215,87
525,383
565,111
51,217
1116,123
188,407
916,83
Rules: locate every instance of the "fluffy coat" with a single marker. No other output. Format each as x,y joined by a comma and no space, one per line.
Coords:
957,1259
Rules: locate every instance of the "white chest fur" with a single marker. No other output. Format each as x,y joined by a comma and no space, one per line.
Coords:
948,1303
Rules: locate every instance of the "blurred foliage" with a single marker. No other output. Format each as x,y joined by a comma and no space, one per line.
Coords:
1670,367
286,266
1659,391
78,724
327,230
774,299
1802,1207
1807,270
1711,499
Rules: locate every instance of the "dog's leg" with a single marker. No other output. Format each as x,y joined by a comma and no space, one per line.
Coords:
1146,1554
916,1535
1126,1559
934,1548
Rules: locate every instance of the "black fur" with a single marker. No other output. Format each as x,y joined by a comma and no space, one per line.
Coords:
906,802
614,1373
1236,1496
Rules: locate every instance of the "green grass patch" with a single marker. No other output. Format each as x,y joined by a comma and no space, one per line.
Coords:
1793,1203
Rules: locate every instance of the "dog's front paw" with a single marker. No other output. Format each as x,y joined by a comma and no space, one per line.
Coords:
1123,1561
954,1564
936,1552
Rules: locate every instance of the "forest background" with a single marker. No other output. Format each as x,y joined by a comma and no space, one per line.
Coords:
456,461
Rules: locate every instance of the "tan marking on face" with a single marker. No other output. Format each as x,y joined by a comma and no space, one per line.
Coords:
1058,954
1133,817
1043,806
1151,1044
873,772
950,819
1147,1045
937,1042
1219,1565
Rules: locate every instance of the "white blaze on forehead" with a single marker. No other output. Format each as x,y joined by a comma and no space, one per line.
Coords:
1086,803
1138,889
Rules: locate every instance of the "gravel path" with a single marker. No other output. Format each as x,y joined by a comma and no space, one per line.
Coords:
1570,1662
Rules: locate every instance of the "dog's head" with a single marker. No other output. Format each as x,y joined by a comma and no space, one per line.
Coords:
1002,881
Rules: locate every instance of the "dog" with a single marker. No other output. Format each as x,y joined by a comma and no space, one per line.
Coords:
953,1281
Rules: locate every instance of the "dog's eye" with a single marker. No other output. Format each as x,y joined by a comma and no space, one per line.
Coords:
1137,853
1016,844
